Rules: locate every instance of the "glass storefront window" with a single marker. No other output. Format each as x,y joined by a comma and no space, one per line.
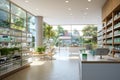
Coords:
4,19
4,16
18,11
31,29
4,4
31,23
18,23
69,35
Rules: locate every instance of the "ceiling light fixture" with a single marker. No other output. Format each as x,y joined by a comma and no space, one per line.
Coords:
26,1
87,8
66,1
89,0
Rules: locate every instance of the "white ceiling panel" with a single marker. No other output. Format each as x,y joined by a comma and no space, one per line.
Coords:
58,12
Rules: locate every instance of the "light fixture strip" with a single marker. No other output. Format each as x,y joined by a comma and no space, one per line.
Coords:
66,1
89,0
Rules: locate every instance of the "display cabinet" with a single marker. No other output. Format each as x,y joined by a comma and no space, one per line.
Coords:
16,40
116,30
100,38
11,38
111,30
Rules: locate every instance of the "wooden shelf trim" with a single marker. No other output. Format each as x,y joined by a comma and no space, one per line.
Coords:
117,43
117,19
109,37
116,50
116,28
109,31
118,35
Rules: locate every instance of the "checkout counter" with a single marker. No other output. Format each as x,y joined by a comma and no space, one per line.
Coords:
94,68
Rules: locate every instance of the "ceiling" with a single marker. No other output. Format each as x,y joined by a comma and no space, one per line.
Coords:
60,12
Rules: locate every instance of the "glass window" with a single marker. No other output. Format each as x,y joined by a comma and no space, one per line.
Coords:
4,16
18,23
4,19
4,4
31,23
69,35
18,11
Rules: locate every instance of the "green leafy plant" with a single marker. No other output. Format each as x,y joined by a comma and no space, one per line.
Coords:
14,49
41,49
19,22
6,51
4,24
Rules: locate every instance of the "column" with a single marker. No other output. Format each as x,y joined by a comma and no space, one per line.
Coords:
39,31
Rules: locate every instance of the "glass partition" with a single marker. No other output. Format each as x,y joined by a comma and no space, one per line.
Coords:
30,22
4,4
18,18
15,34
17,23
31,30
74,35
18,11
4,19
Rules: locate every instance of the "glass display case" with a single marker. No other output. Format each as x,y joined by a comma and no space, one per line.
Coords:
17,31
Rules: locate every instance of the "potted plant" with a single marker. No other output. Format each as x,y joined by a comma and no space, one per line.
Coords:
14,49
7,51
4,51
41,49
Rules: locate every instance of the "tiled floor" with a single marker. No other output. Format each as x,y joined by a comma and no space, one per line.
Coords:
65,67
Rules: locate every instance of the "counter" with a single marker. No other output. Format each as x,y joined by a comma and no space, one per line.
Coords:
96,59
94,68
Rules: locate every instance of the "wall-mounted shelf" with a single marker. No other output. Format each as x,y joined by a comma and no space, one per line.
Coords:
111,25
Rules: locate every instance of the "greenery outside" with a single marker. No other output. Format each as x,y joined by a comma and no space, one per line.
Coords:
91,32
49,34
89,35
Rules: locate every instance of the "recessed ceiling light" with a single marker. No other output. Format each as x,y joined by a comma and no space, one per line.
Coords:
26,1
69,8
89,0
87,8
67,1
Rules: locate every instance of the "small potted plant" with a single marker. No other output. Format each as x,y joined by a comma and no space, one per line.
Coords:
41,49
4,51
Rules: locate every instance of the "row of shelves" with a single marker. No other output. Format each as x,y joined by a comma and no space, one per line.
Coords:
109,21
15,33
14,38
10,66
110,36
115,41
111,25
13,61
110,30
11,37
17,28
